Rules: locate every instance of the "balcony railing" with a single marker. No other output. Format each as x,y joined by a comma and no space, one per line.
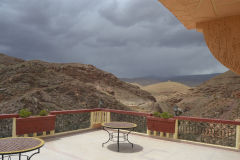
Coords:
219,132
6,125
70,120
203,130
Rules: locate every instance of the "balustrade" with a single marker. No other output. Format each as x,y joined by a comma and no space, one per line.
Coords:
203,130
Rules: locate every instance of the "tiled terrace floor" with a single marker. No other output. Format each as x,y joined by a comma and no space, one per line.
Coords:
87,146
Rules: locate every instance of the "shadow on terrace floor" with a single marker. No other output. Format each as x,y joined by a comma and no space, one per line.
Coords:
125,148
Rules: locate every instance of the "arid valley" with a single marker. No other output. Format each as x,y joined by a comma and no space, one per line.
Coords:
38,85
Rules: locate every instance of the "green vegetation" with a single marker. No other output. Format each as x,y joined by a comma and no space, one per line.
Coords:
164,115
24,113
43,113
156,114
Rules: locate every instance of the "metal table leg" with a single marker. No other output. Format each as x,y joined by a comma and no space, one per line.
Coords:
118,140
20,155
28,158
127,137
109,137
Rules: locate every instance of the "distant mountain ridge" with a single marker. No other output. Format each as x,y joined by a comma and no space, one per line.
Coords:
189,80
38,85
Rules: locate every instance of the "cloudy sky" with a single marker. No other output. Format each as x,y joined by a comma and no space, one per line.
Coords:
129,38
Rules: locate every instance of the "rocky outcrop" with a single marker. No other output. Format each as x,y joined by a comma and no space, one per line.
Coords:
40,85
218,97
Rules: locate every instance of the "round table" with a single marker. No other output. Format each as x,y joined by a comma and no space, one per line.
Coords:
118,126
17,145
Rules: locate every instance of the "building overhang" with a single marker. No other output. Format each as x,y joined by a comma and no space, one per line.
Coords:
192,12
219,20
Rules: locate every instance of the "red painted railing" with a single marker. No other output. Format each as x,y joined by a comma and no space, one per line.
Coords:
210,120
126,112
6,116
210,127
209,123
74,111
35,124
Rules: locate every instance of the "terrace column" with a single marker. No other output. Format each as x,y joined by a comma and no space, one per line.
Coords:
223,39
14,128
238,135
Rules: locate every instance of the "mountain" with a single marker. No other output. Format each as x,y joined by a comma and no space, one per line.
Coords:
143,81
218,97
163,90
38,85
189,80
193,80
6,60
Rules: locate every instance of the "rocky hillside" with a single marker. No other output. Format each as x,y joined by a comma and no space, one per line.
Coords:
6,60
163,90
218,97
40,85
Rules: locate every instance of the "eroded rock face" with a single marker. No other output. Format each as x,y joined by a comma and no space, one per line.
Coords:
40,85
216,98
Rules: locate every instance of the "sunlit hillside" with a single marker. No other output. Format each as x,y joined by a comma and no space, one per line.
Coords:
164,89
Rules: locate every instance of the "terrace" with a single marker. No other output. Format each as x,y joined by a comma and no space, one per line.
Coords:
76,136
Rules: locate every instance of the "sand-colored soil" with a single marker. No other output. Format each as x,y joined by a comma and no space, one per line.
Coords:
163,90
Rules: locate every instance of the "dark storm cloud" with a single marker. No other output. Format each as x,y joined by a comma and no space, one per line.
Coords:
129,38
129,13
